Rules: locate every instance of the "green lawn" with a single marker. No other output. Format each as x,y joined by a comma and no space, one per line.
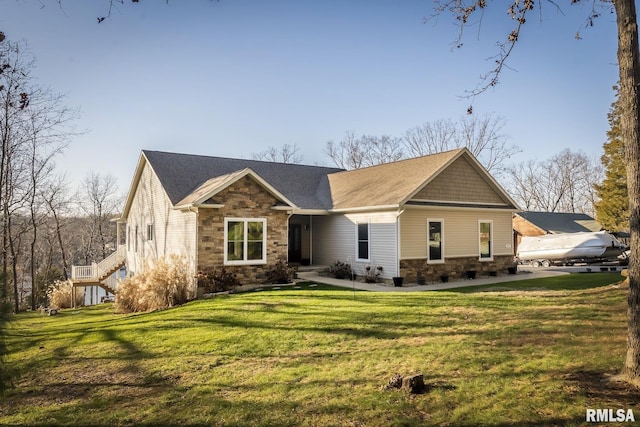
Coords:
319,356
556,283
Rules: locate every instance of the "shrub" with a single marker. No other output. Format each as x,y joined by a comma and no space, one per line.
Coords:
281,273
340,270
217,280
59,294
163,284
371,274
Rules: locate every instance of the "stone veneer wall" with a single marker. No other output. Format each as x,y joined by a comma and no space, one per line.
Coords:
244,199
455,268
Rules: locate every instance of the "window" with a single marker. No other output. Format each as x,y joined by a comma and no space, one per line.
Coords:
149,231
363,241
436,240
486,249
245,241
136,241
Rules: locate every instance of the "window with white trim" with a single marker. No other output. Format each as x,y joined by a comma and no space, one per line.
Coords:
245,241
485,231
435,240
362,240
150,232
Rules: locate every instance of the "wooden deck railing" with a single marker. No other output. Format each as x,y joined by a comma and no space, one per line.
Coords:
101,270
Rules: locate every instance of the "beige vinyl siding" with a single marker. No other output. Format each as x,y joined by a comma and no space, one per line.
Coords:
174,231
460,230
460,182
334,238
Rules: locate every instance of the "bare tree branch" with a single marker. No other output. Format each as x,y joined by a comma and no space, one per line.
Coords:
284,154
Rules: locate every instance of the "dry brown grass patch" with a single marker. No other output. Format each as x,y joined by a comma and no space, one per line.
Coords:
164,283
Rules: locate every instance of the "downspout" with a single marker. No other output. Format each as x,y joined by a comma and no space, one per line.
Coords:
398,241
196,250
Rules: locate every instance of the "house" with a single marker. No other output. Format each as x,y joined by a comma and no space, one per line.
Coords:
529,223
426,216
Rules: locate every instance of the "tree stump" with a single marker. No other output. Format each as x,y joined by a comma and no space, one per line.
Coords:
414,384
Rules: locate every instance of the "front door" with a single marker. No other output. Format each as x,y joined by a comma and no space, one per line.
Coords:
295,242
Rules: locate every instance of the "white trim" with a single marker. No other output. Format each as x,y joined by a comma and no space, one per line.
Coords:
235,177
245,261
322,212
198,206
368,259
441,260
366,208
459,202
463,208
490,222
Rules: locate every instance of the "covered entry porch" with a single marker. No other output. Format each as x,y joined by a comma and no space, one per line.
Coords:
300,240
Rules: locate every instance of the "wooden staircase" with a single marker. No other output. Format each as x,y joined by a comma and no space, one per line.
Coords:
100,274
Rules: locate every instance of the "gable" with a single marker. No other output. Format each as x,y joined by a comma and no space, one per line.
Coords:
461,182
389,184
208,193
244,197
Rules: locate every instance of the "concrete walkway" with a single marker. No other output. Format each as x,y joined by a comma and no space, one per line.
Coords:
381,287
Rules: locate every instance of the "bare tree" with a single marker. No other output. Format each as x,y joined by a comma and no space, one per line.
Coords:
34,127
58,204
284,154
563,183
465,13
483,136
431,137
100,203
353,153
48,132
346,154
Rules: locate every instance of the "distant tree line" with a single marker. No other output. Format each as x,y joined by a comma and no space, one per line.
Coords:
45,226
564,182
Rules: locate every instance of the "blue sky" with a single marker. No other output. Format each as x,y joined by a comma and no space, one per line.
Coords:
233,77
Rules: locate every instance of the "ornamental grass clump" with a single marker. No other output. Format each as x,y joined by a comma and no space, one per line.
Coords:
59,294
163,284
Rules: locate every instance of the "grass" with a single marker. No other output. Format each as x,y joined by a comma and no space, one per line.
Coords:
555,283
322,356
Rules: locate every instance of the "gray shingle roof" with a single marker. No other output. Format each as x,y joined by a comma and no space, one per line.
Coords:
181,174
388,183
560,222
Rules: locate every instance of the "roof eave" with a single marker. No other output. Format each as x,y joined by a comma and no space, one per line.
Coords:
243,173
394,206
134,183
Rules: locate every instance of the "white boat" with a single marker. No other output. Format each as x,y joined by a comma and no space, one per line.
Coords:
569,248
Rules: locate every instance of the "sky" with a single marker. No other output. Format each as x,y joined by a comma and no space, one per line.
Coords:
233,77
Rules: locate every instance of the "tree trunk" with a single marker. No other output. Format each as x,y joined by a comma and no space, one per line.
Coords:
65,267
628,60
